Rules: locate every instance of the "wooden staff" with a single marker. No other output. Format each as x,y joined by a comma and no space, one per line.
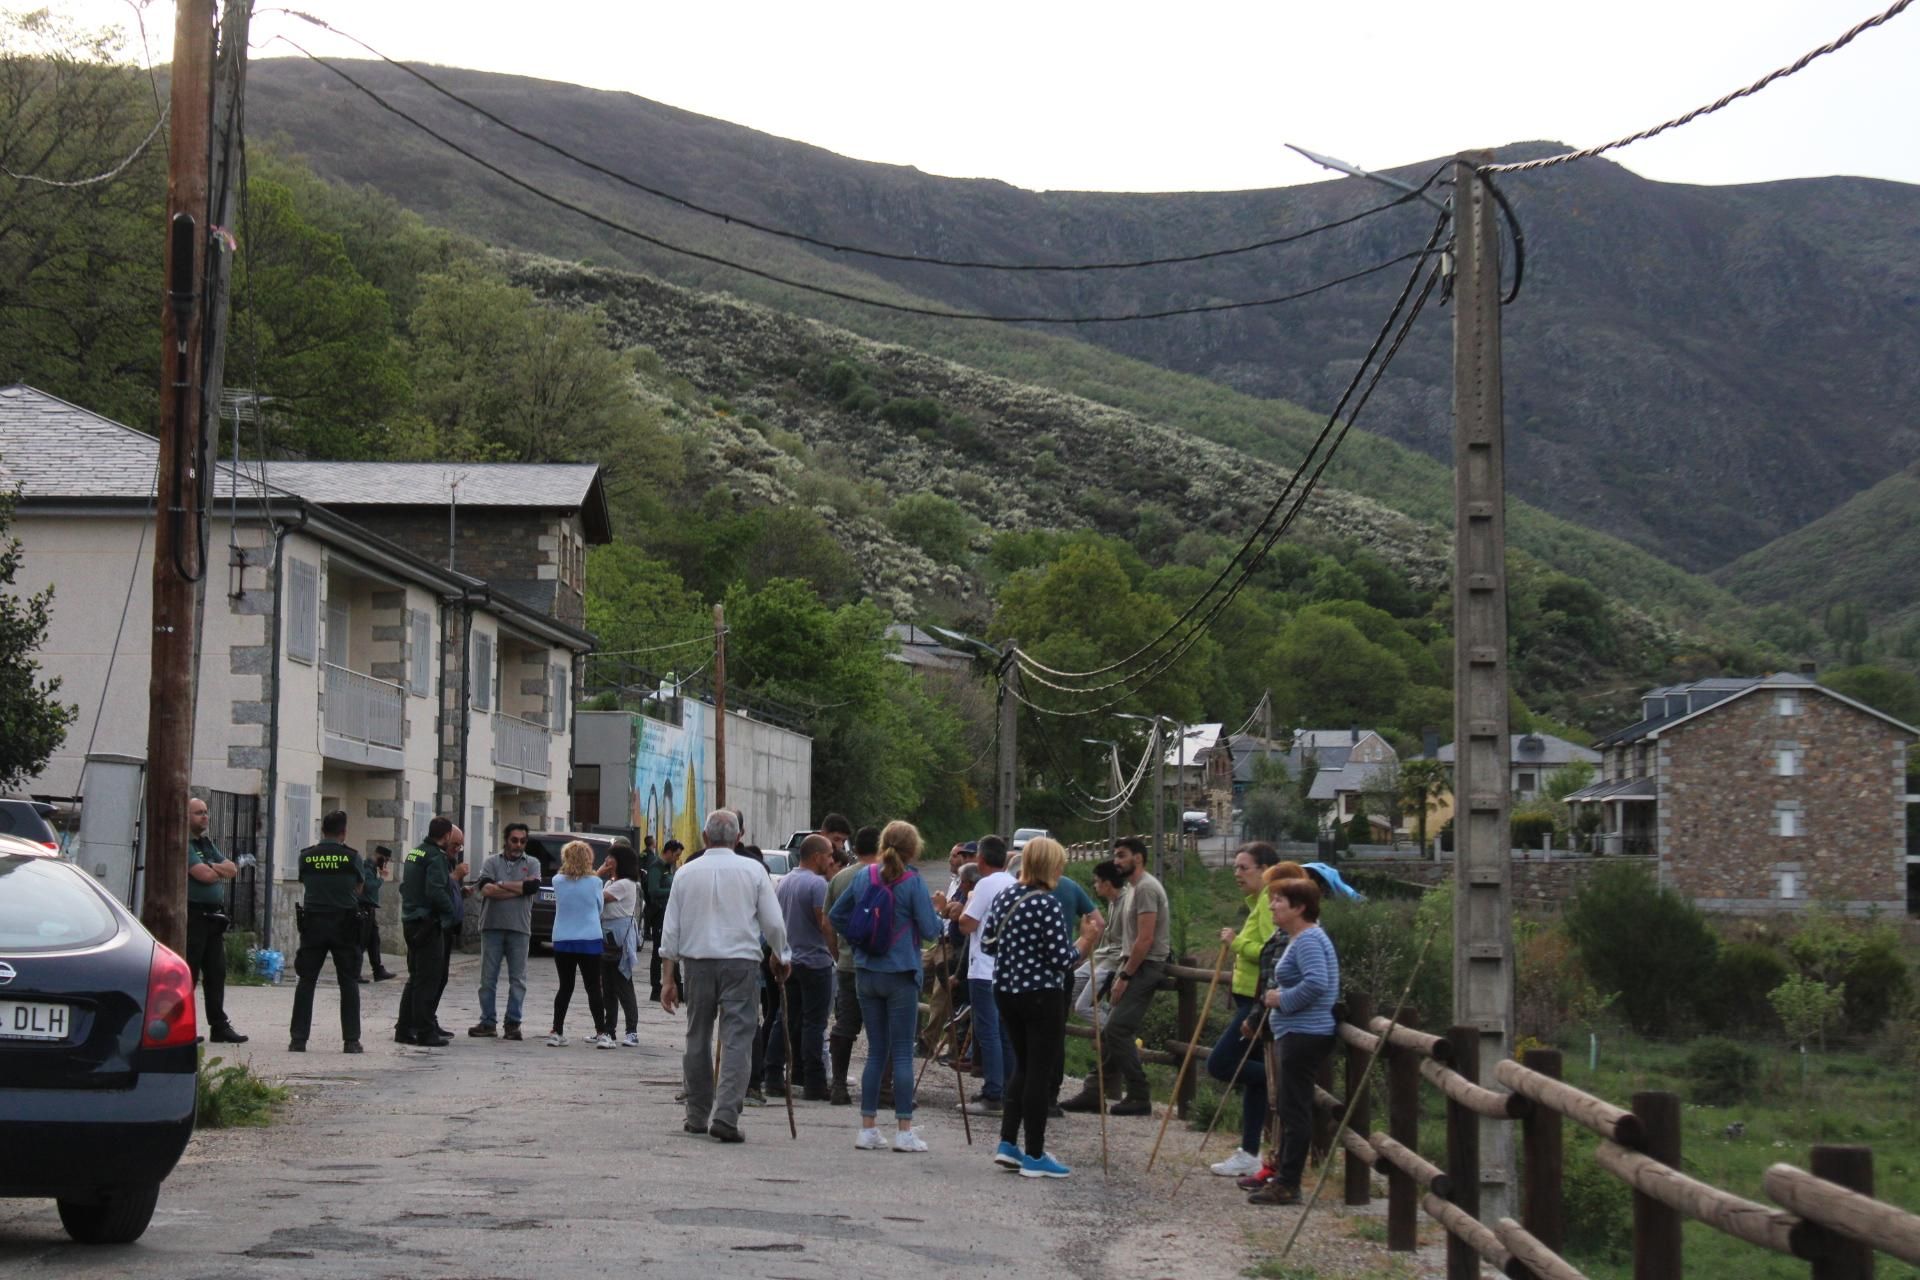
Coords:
960,1082
1252,1040
949,1035
1100,1075
1206,1007
786,1029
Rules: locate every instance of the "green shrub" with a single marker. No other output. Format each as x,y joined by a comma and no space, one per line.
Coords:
938,526
912,414
1598,1207
1736,1000
1530,825
1720,1072
1359,829
1645,942
238,942
232,1095
1878,981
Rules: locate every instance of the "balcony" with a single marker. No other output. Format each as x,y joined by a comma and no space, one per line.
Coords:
522,752
365,719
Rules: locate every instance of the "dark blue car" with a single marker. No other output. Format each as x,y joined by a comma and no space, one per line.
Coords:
98,1047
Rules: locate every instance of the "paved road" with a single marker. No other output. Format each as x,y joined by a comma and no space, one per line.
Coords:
494,1159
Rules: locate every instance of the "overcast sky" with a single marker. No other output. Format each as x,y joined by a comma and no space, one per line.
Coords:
1193,95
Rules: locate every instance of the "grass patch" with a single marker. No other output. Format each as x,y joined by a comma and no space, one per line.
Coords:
230,1095
238,945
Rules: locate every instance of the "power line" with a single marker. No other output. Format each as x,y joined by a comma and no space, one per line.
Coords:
110,174
835,246
698,255
1779,73
655,648
1033,666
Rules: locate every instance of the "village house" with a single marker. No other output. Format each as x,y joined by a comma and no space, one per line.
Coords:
1347,762
1759,795
338,668
1533,760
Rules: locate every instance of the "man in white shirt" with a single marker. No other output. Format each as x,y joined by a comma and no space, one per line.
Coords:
721,908
992,1049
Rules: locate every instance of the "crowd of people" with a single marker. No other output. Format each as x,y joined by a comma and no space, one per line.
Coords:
779,984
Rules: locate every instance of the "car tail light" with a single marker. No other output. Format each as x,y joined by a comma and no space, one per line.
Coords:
169,1019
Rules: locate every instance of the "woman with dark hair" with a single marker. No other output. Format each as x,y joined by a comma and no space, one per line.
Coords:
1231,1062
1306,982
620,946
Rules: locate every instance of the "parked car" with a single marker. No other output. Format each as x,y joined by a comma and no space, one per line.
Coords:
1196,822
98,1050
1025,834
27,819
546,846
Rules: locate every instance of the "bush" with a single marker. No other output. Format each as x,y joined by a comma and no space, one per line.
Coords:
1878,981
1736,1000
1645,942
1359,828
1551,990
232,1095
1598,1206
1530,825
239,945
912,414
1720,1072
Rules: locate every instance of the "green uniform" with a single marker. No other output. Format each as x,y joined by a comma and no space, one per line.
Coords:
656,880
370,876
332,876
202,850
423,887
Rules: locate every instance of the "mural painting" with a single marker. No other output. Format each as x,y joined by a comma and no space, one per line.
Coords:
670,786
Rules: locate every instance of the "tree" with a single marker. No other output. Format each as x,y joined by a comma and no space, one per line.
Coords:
938,526
1808,1007
33,722
1645,942
635,601
1326,672
1423,783
1893,693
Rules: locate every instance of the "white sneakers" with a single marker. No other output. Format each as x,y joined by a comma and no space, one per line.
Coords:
631,1040
1237,1165
604,1041
908,1141
556,1041
870,1140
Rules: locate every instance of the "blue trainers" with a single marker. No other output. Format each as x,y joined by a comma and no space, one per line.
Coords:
1008,1156
1044,1167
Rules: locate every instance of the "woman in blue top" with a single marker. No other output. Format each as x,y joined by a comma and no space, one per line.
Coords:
888,982
576,934
1306,982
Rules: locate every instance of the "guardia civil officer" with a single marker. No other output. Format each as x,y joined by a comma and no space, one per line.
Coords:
426,913
208,873
333,882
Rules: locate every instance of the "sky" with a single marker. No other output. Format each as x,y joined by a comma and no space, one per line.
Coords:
1198,95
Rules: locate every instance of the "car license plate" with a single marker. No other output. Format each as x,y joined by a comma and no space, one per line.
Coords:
25,1020
546,895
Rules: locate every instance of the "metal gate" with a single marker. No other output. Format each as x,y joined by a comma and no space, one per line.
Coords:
234,824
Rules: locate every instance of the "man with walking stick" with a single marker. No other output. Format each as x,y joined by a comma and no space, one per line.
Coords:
1144,914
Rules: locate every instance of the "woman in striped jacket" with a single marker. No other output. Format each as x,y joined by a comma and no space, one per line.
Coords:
1300,1000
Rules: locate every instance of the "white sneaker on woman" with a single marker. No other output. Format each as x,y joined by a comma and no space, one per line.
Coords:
1237,1165
909,1141
631,1040
604,1041
870,1140
556,1041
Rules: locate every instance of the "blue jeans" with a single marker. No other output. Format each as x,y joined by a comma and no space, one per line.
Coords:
890,1006
1252,1078
495,943
994,1050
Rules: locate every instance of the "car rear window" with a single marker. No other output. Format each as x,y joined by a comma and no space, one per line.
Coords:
547,849
50,906
17,819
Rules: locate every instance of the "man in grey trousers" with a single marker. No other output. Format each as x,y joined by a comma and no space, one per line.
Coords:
722,907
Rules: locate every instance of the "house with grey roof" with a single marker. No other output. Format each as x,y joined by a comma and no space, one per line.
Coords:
1759,794
1533,759
1346,763
339,668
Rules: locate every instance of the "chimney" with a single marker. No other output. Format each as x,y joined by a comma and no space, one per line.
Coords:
1355,731
1809,668
1430,743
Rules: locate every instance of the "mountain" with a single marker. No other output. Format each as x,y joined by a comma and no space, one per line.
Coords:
1696,370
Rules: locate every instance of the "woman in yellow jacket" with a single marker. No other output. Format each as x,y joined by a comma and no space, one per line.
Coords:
1250,865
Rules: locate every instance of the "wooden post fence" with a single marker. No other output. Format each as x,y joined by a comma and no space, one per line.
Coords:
1359,1177
1403,1125
1543,1212
1463,1155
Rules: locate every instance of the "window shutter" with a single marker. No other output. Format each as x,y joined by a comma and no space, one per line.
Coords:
303,611
477,827
422,817
299,826
559,717
420,658
482,679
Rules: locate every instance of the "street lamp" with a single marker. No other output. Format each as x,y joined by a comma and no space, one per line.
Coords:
1355,171
1113,818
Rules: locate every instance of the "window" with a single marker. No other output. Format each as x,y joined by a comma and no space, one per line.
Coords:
420,656
1525,783
1786,818
481,680
1786,704
303,611
422,819
559,717
1786,882
477,829
1786,760
299,820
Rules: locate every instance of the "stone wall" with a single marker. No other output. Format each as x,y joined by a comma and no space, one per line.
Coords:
1721,794
496,546
1538,885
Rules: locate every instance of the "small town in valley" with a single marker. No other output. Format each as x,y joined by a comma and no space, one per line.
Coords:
593,647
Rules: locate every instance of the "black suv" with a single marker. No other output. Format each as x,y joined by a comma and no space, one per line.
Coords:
546,846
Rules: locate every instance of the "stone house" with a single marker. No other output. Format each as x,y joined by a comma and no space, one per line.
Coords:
1760,795
338,669
1348,762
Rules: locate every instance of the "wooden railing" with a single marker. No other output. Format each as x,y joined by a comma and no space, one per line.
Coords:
1826,1217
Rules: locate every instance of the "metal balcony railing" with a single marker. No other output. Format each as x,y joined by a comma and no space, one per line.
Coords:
522,744
363,709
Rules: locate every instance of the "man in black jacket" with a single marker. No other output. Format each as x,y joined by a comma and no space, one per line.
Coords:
426,913
333,882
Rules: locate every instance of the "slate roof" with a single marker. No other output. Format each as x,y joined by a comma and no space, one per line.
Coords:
1618,789
1535,748
1330,784
555,486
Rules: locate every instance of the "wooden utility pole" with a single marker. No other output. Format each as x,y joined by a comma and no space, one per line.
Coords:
1006,771
719,706
178,562
1483,914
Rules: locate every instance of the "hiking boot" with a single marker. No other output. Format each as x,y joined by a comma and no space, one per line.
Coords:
1131,1106
1088,1100
839,1096
512,1031
815,1093
482,1029
724,1132
1275,1192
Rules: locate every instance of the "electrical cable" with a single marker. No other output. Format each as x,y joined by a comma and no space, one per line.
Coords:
1779,73
1166,661
834,246
1273,509
825,291
110,174
1113,804
659,648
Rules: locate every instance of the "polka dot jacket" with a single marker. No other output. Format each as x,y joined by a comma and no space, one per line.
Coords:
1026,934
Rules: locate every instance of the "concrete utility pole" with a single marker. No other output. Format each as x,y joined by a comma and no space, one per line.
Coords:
719,707
1483,915
177,559
1006,771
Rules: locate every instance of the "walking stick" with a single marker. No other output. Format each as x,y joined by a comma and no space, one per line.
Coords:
1214,1123
960,1081
949,1035
786,1028
1179,1080
1100,1076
